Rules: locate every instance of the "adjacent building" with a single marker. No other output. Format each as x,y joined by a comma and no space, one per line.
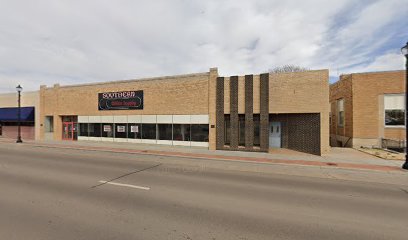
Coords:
29,117
368,109
238,113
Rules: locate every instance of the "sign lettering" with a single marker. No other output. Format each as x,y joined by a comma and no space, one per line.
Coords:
125,100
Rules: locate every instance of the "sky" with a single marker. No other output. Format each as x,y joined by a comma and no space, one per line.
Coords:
45,42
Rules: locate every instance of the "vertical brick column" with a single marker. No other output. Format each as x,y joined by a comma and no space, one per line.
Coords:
220,113
264,112
249,110
234,112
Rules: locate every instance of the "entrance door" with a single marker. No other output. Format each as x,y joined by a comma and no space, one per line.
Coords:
275,134
68,131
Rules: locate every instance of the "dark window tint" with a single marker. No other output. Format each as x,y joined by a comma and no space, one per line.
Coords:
256,130
165,132
148,131
134,130
199,132
95,129
120,130
83,129
181,132
241,130
107,130
394,117
227,130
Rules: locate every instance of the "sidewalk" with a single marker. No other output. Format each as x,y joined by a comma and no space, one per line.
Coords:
338,157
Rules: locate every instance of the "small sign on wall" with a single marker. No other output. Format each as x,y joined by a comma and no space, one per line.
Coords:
107,128
134,129
121,129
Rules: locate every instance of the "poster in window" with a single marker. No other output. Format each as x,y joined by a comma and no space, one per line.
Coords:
121,129
134,129
107,128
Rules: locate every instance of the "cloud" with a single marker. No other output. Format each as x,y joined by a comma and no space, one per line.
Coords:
69,42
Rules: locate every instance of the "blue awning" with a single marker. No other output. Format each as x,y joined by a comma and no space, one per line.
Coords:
11,114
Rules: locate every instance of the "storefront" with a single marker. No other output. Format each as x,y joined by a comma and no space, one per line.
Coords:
9,122
243,113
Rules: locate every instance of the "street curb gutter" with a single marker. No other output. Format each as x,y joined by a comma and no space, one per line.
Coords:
227,158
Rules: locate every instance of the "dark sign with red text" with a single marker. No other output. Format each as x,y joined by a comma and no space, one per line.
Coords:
120,100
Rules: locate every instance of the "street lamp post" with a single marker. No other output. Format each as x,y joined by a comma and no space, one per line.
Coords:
404,51
19,89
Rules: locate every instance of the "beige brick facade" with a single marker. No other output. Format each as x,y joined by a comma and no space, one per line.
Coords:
363,95
175,95
190,95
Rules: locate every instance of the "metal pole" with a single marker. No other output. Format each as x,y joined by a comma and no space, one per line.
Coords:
19,119
405,166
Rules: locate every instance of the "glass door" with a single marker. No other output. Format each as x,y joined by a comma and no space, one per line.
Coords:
68,131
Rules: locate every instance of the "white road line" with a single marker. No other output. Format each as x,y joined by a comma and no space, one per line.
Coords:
125,185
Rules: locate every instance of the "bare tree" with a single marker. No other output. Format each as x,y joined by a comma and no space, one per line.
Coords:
288,68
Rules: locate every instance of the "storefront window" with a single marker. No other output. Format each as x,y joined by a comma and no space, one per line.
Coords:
95,129
83,129
120,130
134,130
199,132
394,109
49,123
107,130
256,130
149,131
165,131
241,130
181,132
227,130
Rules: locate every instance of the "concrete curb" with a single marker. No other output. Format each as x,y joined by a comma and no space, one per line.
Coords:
225,158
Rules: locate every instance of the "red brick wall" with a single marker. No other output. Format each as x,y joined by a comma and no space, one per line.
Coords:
27,132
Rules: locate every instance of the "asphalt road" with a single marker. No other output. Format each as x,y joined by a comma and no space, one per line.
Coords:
63,194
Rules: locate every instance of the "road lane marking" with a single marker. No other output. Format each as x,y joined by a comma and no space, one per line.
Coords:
125,185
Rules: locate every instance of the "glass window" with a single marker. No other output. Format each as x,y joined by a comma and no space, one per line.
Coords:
227,130
107,130
241,130
394,117
135,130
49,123
95,129
83,129
394,109
340,110
181,132
120,130
165,131
199,132
149,131
256,130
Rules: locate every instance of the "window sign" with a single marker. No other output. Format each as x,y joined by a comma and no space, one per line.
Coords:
121,129
107,128
120,100
134,129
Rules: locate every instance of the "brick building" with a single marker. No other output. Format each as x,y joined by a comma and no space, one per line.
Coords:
367,109
245,113
30,128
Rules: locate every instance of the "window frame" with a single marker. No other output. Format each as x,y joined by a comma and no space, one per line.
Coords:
339,115
403,109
